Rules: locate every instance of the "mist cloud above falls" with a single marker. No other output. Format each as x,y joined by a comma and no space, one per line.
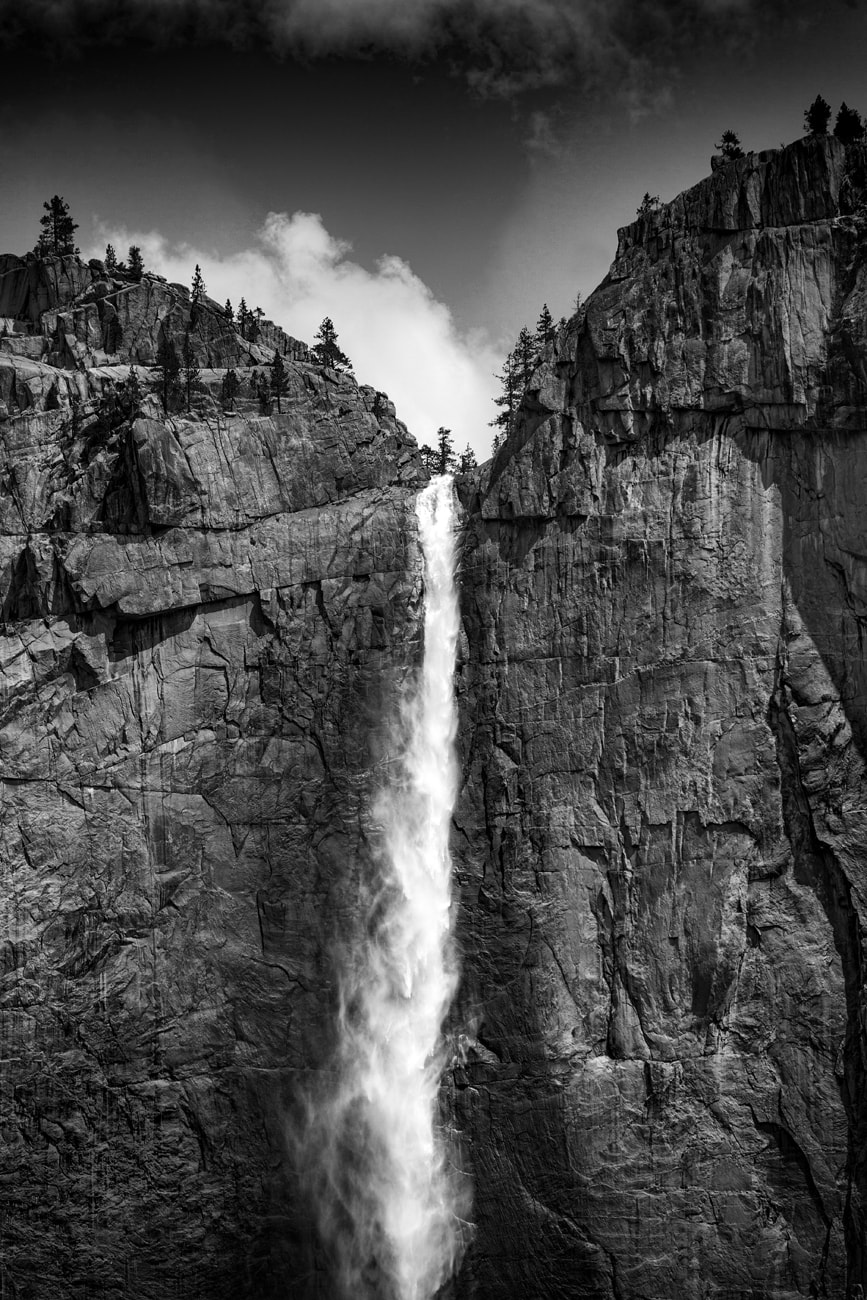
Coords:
502,47
400,338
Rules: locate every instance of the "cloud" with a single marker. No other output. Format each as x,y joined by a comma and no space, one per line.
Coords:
401,339
501,47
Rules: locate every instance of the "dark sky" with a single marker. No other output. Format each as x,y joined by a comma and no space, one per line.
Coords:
492,146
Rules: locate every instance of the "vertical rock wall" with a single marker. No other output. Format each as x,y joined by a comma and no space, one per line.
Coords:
203,620
662,827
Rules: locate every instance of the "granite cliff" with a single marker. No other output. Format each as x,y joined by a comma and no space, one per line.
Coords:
660,1037
203,621
662,829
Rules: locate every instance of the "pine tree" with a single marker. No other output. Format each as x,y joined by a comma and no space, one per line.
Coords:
468,461
242,318
110,259
169,368
197,294
192,375
58,229
525,355
508,398
326,350
729,145
650,203
545,330
445,451
255,320
254,384
279,383
848,128
228,312
135,262
817,117
130,394
229,390
263,392
430,458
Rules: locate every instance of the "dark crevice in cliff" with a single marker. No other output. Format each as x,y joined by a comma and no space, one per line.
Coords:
816,868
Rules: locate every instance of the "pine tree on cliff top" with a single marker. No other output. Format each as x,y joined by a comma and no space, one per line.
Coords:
729,145
508,398
817,117
327,350
545,328
848,128
58,229
197,294
110,259
135,262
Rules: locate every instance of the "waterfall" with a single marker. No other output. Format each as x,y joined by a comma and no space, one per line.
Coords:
393,1202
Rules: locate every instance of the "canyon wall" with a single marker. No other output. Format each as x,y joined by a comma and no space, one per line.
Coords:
205,618
662,829
659,1042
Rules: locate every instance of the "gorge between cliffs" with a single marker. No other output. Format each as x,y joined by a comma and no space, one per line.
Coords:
653,1062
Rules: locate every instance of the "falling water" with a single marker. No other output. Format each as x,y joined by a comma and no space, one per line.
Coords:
394,1213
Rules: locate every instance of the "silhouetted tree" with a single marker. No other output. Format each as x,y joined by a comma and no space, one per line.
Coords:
228,312
650,203
169,369
197,294
229,389
817,116
326,349
279,383
135,262
545,329
255,327
110,259
58,229
848,128
729,145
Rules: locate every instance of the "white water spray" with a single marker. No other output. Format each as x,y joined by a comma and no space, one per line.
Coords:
393,1203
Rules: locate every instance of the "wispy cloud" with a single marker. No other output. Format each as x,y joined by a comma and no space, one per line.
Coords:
501,47
401,339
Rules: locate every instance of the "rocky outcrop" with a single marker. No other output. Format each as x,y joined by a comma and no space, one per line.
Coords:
661,831
79,316
204,620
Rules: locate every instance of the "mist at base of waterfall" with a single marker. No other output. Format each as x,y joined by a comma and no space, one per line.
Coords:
391,1203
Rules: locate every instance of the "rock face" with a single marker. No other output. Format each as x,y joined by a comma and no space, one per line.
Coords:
661,1067
661,834
204,620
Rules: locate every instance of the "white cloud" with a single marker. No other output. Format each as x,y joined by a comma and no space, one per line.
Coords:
401,339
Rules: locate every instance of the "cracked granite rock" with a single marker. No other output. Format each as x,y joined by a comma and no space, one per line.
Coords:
662,829
204,622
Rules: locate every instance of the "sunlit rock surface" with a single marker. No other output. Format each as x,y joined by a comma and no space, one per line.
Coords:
663,825
660,838
204,619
